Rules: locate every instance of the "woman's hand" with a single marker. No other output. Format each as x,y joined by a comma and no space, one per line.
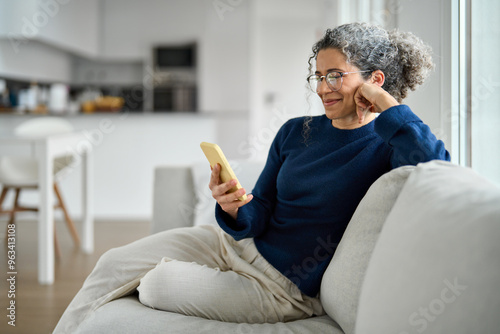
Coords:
229,202
370,97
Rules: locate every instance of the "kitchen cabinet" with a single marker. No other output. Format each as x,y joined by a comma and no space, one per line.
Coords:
39,37
69,25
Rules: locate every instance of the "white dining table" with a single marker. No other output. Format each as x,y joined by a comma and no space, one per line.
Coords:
45,149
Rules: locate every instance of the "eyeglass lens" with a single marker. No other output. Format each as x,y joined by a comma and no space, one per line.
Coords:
333,80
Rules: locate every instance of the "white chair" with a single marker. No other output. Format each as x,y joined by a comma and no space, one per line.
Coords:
19,172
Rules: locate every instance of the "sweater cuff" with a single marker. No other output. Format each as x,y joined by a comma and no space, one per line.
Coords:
238,229
389,122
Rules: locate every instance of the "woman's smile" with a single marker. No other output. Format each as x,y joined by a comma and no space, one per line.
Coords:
330,102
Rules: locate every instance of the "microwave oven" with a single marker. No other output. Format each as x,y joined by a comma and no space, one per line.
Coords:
174,57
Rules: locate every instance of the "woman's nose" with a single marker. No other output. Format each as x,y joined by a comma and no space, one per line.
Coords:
323,87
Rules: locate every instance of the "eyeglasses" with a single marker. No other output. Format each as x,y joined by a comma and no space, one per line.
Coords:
334,80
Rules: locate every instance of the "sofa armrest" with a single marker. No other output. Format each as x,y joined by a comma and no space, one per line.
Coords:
174,198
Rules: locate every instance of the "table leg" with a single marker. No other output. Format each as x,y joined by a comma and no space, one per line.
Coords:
87,207
46,215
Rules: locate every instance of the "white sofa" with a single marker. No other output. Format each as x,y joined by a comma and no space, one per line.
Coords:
421,254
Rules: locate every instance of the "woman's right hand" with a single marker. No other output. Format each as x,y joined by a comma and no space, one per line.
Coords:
371,97
229,202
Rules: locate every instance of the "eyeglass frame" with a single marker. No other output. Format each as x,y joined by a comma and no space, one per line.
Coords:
341,75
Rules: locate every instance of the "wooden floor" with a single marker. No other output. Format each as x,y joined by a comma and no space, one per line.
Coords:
39,307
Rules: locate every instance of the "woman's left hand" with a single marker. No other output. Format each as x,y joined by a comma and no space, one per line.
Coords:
372,98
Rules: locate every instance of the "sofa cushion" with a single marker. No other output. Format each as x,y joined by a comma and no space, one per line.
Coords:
204,212
128,315
247,173
341,284
435,267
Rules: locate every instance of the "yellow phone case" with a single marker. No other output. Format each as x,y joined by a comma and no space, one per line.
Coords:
215,155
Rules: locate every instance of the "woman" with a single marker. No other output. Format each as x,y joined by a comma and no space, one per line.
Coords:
312,184
266,261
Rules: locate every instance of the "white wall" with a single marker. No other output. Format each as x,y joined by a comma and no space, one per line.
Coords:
281,36
224,59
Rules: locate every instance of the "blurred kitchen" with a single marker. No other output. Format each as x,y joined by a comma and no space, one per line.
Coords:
164,75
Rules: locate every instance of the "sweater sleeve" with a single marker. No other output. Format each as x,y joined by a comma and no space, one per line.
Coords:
253,218
410,139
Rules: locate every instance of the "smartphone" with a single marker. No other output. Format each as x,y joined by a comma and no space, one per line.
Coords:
215,156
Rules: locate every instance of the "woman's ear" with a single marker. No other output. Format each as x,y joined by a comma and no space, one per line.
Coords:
377,78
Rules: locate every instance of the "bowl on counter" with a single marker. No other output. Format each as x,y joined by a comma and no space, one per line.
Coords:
103,103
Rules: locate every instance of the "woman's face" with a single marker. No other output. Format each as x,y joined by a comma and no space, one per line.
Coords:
339,105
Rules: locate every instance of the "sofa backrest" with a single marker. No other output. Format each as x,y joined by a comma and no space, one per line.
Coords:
436,265
342,281
174,198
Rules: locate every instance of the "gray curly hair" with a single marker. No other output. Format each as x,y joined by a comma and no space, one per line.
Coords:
403,57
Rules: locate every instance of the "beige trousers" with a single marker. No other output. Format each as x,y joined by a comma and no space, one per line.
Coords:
199,271
223,279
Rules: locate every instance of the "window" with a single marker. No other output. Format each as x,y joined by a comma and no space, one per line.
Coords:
484,89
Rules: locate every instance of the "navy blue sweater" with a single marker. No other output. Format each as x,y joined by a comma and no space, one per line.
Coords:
306,194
